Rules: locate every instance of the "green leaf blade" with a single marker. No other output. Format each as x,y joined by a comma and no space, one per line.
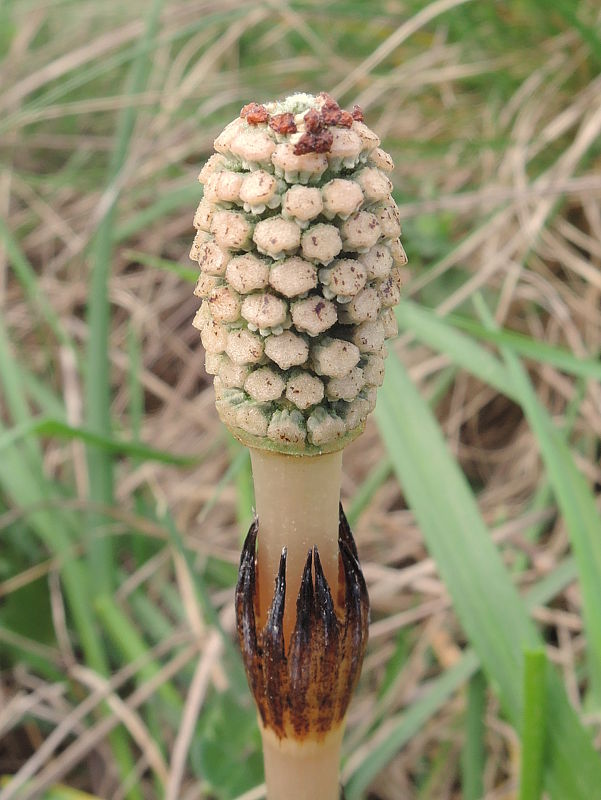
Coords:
534,725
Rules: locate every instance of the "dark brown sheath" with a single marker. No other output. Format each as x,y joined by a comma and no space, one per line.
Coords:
305,692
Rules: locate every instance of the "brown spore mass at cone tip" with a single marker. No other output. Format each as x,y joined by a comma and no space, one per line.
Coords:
302,688
298,246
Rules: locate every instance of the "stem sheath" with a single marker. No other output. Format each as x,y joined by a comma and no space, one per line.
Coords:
297,500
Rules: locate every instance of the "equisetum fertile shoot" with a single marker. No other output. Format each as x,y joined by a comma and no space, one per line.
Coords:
299,254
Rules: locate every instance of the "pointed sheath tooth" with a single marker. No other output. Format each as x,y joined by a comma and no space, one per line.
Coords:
341,592
300,655
357,600
274,627
355,630
274,656
324,605
327,642
304,603
357,583
245,589
345,533
245,619
351,639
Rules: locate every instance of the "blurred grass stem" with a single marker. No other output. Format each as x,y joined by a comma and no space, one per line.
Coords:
98,390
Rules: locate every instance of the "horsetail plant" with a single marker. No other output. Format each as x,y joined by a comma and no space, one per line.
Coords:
299,254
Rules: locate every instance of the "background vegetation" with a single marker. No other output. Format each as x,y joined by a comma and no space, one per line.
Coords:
474,493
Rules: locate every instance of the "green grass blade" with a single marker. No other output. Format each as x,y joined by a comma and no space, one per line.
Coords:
534,725
473,756
13,395
530,348
42,396
434,782
58,429
484,598
29,281
98,392
239,462
149,616
57,792
378,475
366,490
243,479
394,668
441,336
572,13
577,505
126,637
543,496
136,392
170,200
184,273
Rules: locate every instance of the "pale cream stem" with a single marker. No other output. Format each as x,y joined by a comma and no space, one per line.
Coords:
307,770
297,500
